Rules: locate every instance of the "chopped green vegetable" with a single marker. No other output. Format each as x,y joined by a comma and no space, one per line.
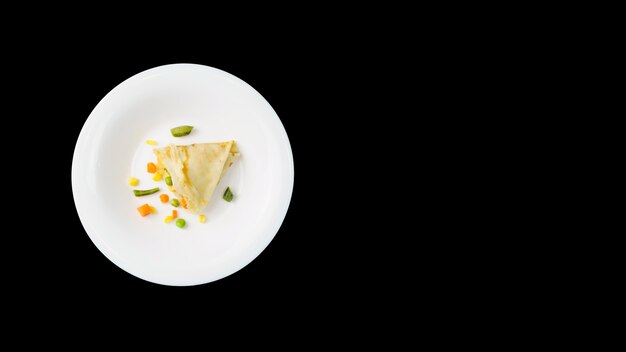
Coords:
139,193
168,180
181,131
181,223
228,195
174,202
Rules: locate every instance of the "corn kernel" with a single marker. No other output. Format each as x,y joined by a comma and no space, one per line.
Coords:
157,176
168,219
151,142
171,188
202,218
152,209
133,181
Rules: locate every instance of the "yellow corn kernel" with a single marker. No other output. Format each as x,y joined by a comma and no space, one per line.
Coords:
152,209
133,181
168,219
171,188
202,218
151,142
157,176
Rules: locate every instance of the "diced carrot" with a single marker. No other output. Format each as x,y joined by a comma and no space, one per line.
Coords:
151,167
144,210
183,202
164,198
174,214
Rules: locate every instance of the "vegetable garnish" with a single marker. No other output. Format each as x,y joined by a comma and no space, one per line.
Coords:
152,167
133,181
157,176
181,131
181,223
228,195
144,210
174,214
168,219
153,209
183,202
164,198
174,202
202,218
151,142
168,180
140,193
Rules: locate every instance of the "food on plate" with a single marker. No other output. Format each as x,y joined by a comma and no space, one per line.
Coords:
175,202
152,168
168,180
164,198
196,170
133,181
151,142
168,219
181,131
181,223
202,218
228,195
140,193
157,176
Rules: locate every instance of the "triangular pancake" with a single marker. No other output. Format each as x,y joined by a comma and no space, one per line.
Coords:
196,169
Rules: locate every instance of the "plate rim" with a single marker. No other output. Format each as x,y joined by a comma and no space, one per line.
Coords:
92,233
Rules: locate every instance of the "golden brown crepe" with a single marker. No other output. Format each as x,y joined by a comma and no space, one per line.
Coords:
196,169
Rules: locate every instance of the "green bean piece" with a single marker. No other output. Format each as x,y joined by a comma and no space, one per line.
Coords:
181,131
228,195
140,193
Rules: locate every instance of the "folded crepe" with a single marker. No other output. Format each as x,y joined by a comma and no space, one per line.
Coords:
196,170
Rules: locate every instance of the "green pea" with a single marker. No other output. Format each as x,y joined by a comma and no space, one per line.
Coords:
175,202
181,223
168,181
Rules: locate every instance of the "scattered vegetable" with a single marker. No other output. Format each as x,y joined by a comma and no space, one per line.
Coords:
174,202
153,209
168,180
152,167
168,219
174,214
157,176
144,210
164,198
151,142
181,131
183,202
181,223
140,193
202,218
228,195
133,181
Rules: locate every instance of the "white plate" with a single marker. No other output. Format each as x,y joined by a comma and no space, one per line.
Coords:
112,147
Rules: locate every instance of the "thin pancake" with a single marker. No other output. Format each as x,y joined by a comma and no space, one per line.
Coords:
196,169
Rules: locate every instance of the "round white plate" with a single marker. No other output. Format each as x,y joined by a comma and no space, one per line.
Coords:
112,147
